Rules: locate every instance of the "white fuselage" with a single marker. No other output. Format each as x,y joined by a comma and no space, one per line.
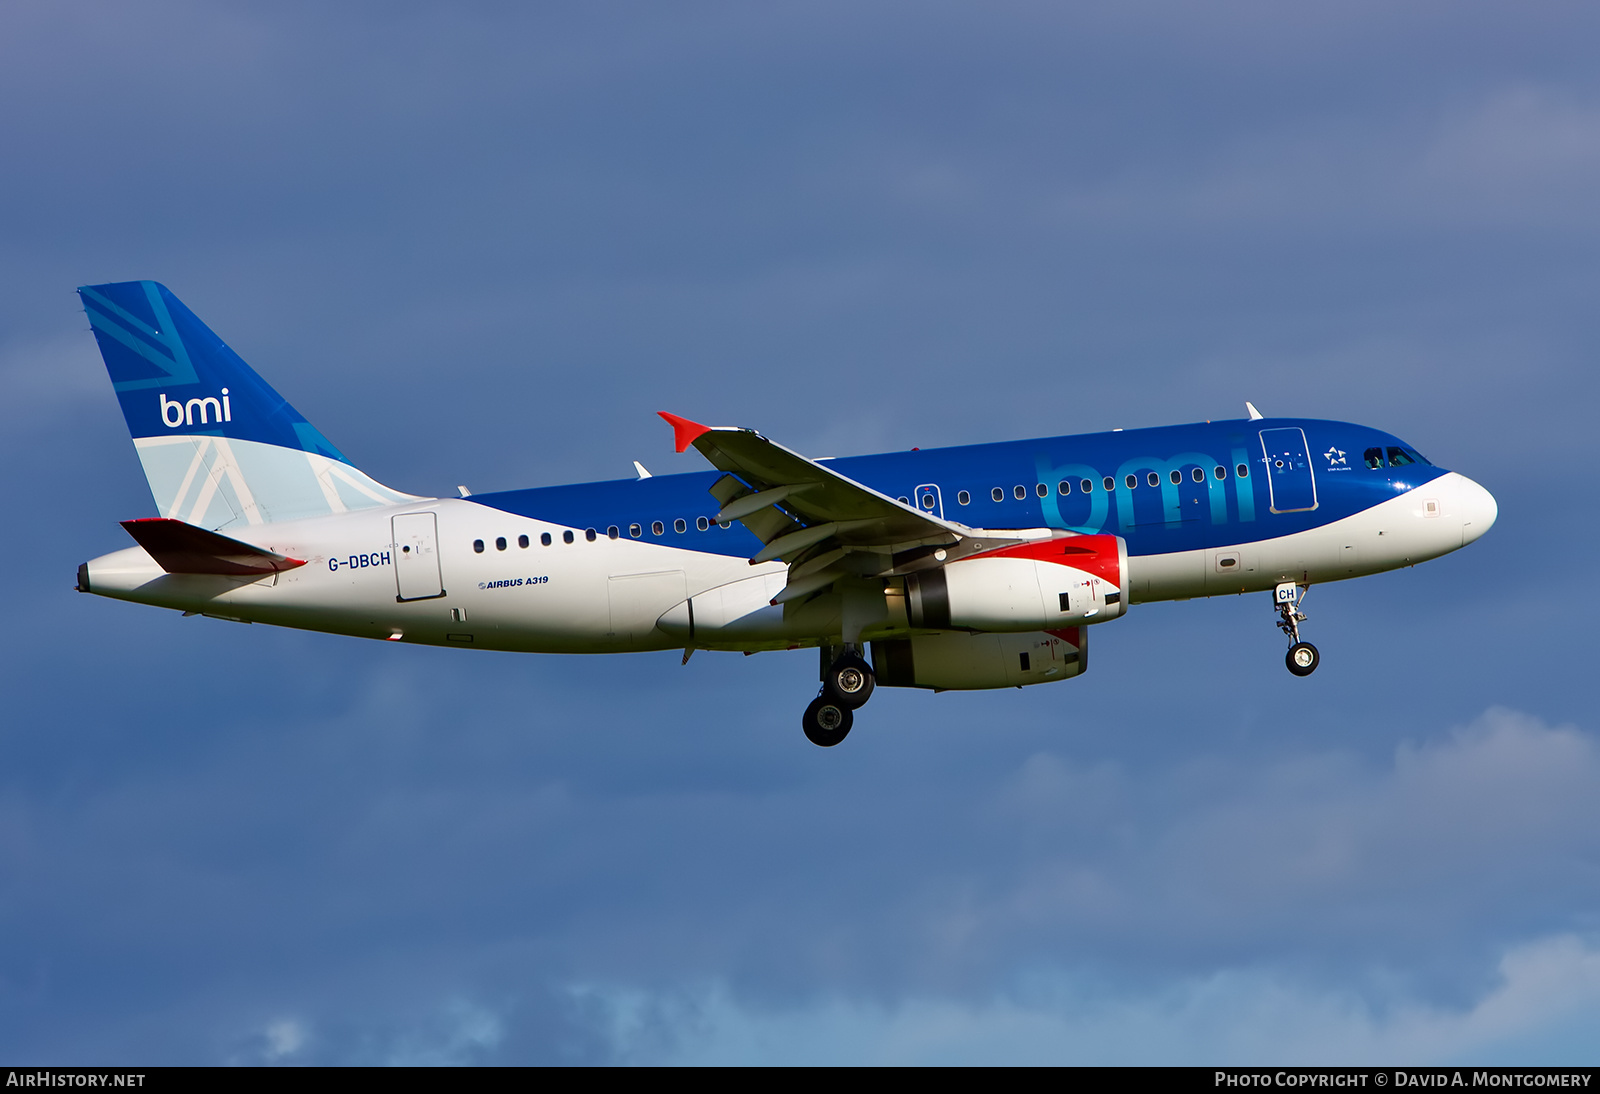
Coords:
613,595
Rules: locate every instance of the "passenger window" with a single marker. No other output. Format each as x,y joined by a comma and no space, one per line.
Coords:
657,528
544,538
963,498
500,543
1220,472
1243,470
1087,486
635,531
997,494
1042,490
679,525
566,537
1176,477
477,545
612,533
1063,487
1020,492
589,534
903,500
702,523
522,541
1109,483
1198,474
1398,457
927,501
1153,479
1131,480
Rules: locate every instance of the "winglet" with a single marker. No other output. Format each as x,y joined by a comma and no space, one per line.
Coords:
684,432
1250,408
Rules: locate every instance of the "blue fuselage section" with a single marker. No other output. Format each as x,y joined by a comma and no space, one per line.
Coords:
1168,489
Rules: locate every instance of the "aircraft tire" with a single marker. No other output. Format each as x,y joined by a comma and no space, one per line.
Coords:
850,681
826,721
1302,659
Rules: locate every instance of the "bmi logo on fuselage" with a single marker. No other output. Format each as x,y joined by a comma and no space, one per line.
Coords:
185,412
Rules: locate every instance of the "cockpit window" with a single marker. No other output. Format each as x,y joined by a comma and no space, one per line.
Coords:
1399,457
1374,458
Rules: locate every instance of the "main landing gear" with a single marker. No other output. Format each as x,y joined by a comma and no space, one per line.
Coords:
1302,657
847,683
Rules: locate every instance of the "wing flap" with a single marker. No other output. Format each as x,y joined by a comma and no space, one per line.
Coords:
784,498
826,526
182,548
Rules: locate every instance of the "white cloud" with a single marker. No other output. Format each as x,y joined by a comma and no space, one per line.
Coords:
1373,902
1232,1016
283,1038
1487,815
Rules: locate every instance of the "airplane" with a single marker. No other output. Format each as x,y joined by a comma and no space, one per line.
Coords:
971,567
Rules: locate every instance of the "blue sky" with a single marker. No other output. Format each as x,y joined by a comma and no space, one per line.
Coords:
485,244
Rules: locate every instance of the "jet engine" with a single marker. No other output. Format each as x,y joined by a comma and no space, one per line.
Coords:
1042,585
956,660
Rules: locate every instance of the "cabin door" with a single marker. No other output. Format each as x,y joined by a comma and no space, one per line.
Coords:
416,557
1289,477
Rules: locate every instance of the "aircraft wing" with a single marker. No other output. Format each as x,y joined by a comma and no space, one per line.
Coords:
823,524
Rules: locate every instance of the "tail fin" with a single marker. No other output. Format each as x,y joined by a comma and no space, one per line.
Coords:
219,447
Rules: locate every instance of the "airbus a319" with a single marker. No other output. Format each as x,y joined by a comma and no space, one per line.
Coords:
982,566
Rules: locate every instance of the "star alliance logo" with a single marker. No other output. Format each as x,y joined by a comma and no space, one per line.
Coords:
1335,457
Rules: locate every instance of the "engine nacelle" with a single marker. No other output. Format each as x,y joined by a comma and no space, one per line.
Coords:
958,661
1046,585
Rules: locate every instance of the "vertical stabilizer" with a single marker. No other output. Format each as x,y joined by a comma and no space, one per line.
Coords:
219,446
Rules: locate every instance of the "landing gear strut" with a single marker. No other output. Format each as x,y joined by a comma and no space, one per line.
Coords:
847,682
1302,657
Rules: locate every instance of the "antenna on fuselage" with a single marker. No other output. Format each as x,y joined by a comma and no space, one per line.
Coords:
639,467
1255,415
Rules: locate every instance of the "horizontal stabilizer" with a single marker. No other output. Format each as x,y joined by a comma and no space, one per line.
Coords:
181,548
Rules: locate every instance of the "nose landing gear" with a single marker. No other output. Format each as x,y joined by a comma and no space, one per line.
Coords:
1302,657
847,683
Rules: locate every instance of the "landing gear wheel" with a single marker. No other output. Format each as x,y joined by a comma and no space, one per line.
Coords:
1302,659
849,681
826,721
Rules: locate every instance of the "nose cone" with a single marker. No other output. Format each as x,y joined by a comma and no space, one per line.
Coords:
1476,506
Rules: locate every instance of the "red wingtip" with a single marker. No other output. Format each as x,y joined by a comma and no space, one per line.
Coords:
684,432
